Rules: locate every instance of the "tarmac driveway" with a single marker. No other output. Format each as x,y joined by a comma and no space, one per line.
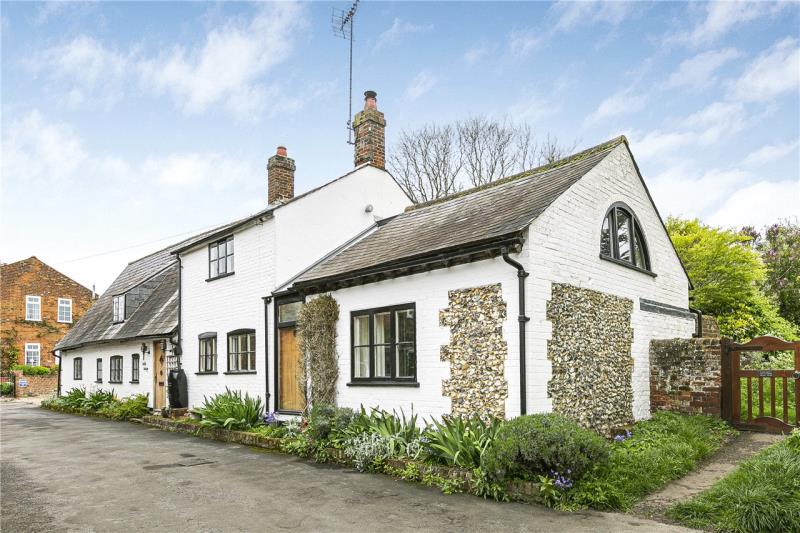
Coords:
64,472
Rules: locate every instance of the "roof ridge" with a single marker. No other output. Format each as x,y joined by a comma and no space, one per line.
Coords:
524,174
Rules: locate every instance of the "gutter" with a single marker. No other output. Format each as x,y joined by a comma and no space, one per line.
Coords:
522,319
267,301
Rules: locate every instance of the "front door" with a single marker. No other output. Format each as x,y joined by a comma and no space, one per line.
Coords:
159,377
290,397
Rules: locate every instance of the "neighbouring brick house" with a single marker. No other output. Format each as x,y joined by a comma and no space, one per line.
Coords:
38,305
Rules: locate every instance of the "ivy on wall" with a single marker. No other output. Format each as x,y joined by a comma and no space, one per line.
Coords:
319,361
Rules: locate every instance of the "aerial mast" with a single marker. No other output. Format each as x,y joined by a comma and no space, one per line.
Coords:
342,22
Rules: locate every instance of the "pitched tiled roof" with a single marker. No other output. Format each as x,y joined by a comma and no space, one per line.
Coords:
157,315
493,211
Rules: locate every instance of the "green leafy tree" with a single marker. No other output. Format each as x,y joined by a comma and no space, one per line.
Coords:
780,250
727,274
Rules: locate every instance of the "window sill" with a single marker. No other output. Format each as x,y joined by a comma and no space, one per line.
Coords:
383,383
221,276
205,373
116,382
627,265
64,321
133,382
100,381
240,372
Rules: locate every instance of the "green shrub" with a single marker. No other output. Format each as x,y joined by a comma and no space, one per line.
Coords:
6,389
532,445
97,400
230,410
325,420
127,408
762,494
659,450
30,370
74,398
270,430
460,442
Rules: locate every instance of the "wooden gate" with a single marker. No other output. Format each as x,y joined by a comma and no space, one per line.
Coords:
765,400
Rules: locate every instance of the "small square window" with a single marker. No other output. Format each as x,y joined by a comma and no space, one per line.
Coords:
33,354
33,308
65,310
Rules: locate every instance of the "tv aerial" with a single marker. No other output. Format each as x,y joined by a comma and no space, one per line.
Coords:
342,23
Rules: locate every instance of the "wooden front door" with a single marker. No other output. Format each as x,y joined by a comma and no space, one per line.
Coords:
761,399
290,393
159,377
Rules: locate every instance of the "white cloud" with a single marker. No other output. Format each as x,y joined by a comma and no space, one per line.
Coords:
398,29
212,170
476,53
681,191
533,108
698,71
771,152
620,103
771,74
421,84
522,43
723,16
759,204
574,14
227,69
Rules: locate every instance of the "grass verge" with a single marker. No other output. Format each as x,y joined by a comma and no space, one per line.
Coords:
762,494
659,450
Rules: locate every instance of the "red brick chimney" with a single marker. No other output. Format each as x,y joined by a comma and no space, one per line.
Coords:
369,126
280,177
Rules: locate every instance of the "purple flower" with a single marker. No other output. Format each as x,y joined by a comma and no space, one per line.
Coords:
270,419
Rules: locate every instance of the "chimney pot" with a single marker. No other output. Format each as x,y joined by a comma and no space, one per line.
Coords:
281,151
370,100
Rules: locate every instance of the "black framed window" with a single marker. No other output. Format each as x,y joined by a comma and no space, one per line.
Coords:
116,369
242,350
99,371
208,353
77,368
220,258
135,368
119,308
621,238
384,344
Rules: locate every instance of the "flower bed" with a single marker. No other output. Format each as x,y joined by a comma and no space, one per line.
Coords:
99,403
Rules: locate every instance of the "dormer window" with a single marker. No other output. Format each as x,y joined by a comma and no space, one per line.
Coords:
119,308
622,240
220,258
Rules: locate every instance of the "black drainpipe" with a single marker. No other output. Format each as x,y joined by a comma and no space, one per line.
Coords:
698,329
178,350
267,301
523,319
60,358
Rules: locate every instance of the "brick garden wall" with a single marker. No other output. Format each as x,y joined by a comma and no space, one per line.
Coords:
685,374
36,385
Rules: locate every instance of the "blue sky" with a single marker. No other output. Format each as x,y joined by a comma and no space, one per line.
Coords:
127,126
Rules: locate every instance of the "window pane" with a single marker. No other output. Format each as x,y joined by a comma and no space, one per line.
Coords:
214,269
624,235
361,362
383,361
638,247
383,328
605,236
404,321
288,312
360,330
230,246
213,251
406,360
229,267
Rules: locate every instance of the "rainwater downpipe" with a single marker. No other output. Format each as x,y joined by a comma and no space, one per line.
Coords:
523,319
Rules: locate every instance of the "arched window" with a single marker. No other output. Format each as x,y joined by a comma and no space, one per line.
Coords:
621,238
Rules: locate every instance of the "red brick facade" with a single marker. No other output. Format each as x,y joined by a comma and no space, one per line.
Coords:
31,277
34,385
686,374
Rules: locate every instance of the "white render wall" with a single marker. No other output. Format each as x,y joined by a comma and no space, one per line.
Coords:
105,351
429,292
314,225
266,254
564,245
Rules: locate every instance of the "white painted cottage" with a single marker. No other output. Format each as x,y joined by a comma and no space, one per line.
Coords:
537,292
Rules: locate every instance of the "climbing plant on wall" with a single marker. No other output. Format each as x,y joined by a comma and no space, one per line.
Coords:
319,361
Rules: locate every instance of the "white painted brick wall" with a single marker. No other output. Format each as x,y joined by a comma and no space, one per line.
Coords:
265,255
564,247
429,292
90,354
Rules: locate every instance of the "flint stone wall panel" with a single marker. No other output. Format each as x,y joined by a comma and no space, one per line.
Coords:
590,351
477,352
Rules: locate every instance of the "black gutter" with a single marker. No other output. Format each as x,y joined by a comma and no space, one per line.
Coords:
523,319
267,300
